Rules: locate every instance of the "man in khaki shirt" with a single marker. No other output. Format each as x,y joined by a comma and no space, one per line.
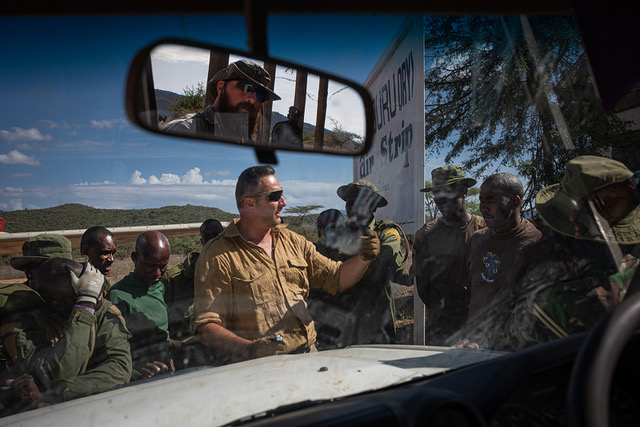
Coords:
251,282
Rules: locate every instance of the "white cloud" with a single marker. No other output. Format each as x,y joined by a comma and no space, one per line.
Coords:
82,144
177,53
136,178
54,125
221,173
169,179
167,189
193,177
15,204
104,124
17,158
105,182
19,134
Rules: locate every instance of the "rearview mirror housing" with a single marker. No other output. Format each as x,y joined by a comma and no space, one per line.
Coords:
210,93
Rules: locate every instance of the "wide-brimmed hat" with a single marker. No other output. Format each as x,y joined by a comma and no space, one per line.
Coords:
42,247
582,176
246,70
448,175
352,189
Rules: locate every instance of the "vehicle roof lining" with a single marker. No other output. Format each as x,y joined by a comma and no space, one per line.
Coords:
608,34
115,7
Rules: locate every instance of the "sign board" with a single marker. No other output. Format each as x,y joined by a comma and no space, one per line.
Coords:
395,163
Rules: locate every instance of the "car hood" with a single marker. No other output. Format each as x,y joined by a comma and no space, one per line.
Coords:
221,395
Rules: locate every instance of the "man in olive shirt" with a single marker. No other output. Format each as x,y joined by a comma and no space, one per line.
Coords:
252,281
438,254
140,297
74,344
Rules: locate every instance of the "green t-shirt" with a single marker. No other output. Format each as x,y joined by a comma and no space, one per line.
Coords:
145,312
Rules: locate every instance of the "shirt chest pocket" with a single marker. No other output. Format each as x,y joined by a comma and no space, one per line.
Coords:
295,275
256,284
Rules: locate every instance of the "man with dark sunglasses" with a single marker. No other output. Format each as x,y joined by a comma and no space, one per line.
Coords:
251,282
239,92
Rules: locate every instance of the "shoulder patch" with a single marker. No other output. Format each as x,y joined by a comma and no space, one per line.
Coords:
391,233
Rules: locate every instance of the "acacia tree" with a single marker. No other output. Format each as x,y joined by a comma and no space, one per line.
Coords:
301,213
513,91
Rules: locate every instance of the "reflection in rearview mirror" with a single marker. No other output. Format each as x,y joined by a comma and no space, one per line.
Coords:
219,95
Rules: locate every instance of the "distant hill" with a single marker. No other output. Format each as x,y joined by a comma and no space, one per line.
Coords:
72,216
164,99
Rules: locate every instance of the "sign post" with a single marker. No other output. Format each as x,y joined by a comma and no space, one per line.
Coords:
396,162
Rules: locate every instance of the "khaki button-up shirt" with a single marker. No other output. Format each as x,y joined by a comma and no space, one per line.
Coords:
238,286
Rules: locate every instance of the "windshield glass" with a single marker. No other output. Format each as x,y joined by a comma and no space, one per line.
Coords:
496,210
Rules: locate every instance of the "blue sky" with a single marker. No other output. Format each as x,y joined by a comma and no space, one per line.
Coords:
65,137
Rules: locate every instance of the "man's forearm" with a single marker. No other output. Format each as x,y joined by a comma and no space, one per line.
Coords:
351,271
220,338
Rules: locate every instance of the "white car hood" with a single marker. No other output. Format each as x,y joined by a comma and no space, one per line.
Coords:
218,396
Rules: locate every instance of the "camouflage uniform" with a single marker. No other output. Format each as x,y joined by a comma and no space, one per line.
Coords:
570,298
561,308
69,358
365,313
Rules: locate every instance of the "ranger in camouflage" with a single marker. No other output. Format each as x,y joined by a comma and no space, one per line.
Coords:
583,277
364,314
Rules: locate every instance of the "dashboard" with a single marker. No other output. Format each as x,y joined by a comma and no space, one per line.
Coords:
528,388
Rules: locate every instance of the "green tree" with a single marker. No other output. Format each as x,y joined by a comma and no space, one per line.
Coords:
301,213
192,101
513,91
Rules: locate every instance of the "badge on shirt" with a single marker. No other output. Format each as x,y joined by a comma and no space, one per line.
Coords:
491,263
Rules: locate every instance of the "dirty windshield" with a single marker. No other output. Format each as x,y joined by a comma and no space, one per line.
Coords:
497,208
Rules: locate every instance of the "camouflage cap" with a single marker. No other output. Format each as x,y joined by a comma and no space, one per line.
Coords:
246,70
42,247
448,175
582,176
351,190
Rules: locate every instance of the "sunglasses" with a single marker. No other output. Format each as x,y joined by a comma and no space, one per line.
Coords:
249,87
272,196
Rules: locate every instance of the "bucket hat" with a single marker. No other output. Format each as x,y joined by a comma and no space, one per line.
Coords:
246,70
448,175
40,248
582,176
352,189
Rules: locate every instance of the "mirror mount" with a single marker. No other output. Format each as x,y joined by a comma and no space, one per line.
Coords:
255,12
266,156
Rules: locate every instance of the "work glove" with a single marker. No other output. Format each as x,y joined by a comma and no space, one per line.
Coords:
266,346
88,286
370,245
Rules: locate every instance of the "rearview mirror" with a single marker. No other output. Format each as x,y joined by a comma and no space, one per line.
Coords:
217,94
